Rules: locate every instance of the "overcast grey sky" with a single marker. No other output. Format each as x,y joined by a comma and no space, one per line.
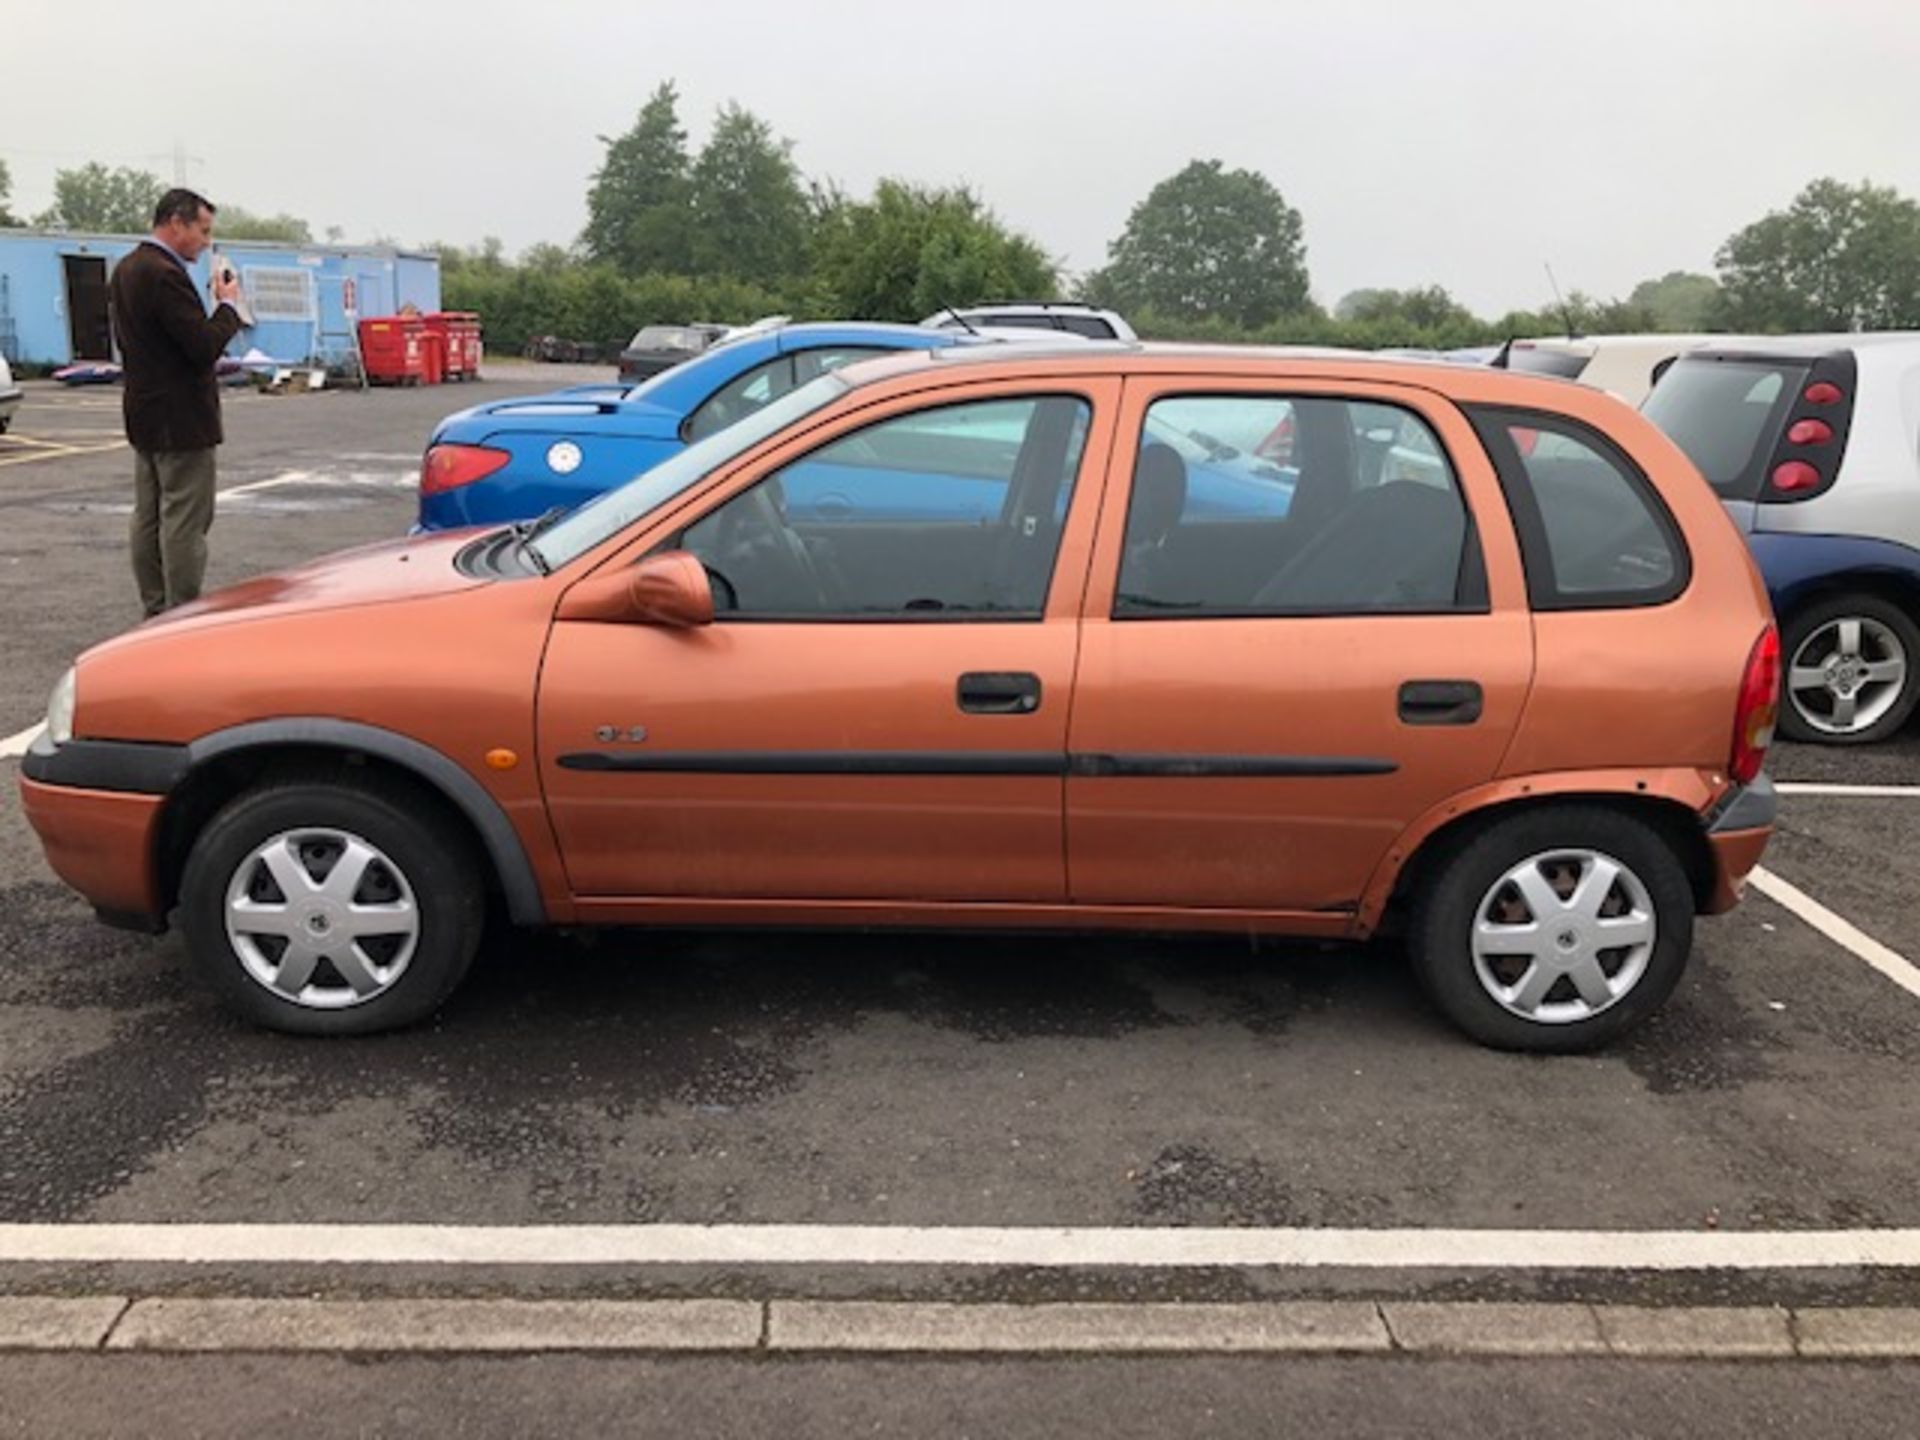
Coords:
1458,142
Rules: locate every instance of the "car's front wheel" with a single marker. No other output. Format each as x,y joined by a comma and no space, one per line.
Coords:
1555,929
338,908
1853,671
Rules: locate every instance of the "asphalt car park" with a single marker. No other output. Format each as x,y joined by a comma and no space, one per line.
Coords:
904,1085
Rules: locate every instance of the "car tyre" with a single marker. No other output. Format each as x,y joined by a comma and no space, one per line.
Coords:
1890,636
414,878
1484,985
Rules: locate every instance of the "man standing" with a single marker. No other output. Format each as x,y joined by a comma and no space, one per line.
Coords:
168,348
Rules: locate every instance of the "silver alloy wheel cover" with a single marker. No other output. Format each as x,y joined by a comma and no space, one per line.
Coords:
321,920
1565,938
1834,662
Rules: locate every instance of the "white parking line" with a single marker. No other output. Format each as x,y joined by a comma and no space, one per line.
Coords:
290,477
1884,792
17,745
1126,1247
1889,963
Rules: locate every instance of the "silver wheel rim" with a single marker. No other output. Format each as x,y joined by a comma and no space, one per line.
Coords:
322,919
1563,936
1847,675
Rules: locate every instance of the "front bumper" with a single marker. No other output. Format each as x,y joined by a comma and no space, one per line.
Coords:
96,807
1737,836
10,402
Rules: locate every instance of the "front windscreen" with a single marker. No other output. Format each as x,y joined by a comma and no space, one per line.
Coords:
606,515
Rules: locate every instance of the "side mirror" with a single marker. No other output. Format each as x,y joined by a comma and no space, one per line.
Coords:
670,589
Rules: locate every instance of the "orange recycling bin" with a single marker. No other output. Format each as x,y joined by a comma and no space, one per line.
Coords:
394,349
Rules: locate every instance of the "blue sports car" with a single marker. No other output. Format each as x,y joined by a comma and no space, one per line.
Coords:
515,459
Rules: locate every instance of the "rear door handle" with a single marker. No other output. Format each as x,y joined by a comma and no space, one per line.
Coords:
1440,702
998,692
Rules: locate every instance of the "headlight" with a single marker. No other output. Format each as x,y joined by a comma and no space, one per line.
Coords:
60,710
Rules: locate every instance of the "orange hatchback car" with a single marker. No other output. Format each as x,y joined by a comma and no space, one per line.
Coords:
1119,637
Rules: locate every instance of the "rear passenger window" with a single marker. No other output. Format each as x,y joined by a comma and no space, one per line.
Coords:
1294,505
1593,531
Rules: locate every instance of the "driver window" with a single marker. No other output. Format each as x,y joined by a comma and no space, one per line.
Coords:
741,396
949,512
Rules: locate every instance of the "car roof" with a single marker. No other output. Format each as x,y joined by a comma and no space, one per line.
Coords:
1078,306
1811,346
1596,344
1132,357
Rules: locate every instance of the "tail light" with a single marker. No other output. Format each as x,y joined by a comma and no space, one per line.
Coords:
1795,476
1811,448
448,467
1759,708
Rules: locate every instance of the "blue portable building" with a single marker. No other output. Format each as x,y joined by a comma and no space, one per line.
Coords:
53,293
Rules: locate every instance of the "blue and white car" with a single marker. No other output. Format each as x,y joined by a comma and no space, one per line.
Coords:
1813,443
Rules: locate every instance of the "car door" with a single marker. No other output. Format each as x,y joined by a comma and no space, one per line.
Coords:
879,710
1269,693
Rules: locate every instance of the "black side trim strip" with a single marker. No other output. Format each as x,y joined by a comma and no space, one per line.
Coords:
940,762
1221,766
122,766
821,762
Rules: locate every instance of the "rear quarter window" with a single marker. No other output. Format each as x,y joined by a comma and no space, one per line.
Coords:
1594,533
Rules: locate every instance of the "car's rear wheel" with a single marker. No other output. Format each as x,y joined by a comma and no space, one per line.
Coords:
332,908
1852,673
1554,930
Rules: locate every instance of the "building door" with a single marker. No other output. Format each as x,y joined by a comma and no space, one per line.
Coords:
88,327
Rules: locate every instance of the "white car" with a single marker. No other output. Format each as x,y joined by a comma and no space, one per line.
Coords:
1089,321
9,396
1622,365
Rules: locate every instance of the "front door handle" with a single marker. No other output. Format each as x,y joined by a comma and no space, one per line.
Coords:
1440,702
998,692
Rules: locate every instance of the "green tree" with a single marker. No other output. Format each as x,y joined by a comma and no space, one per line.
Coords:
1679,300
113,202
637,216
233,223
749,204
910,250
1209,242
1840,257
1424,310
6,193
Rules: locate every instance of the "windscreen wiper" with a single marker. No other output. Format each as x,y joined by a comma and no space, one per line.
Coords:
524,531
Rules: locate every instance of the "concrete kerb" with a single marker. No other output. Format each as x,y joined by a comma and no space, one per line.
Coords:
797,1328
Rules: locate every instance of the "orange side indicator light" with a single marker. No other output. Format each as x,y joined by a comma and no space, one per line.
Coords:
502,759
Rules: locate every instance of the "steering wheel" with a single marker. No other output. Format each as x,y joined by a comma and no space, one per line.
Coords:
752,526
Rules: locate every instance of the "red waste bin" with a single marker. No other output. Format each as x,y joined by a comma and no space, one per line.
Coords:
439,335
459,332
391,346
470,336
433,352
